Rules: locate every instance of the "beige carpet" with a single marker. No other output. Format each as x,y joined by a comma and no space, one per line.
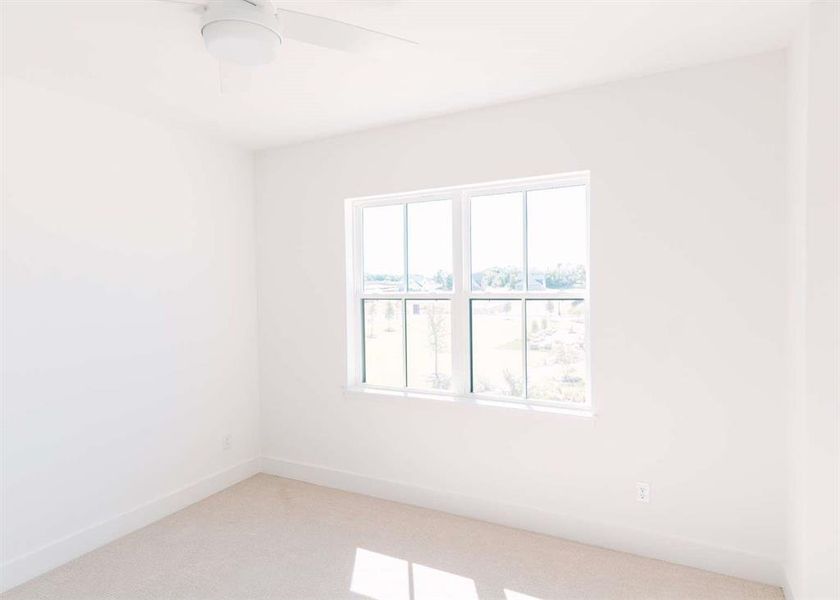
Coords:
269,537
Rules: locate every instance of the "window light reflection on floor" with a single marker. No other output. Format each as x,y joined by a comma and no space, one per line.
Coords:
382,577
379,576
434,584
511,595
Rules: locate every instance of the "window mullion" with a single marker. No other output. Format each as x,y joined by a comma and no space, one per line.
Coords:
525,286
356,364
524,348
525,241
460,278
405,341
358,246
361,363
405,246
404,302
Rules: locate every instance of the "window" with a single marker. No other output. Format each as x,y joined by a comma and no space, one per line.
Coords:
474,291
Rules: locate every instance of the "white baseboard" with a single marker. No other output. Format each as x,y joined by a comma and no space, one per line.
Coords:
787,590
615,537
23,568
673,549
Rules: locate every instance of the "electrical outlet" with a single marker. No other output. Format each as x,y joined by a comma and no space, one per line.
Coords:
643,491
227,442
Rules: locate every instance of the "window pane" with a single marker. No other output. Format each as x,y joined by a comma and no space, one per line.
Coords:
496,241
497,347
557,238
556,350
382,255
429,344
383,342
430,246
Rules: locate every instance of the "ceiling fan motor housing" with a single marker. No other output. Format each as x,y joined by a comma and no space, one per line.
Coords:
242,32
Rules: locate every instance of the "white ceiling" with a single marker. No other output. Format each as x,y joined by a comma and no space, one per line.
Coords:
148,56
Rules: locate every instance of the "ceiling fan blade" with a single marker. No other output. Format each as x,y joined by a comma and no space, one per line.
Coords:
339,35
198,3
198,6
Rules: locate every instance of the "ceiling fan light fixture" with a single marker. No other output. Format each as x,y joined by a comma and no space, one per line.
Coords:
241,33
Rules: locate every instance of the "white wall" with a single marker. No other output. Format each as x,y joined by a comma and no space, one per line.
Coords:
129,323
689,305
813,558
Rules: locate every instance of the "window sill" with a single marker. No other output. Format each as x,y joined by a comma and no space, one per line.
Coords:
497,403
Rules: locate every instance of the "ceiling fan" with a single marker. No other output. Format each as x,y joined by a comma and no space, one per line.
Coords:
250,32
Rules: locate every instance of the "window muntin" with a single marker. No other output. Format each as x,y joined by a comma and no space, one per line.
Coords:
470,318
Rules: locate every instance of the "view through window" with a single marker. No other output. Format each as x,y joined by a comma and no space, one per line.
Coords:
475,290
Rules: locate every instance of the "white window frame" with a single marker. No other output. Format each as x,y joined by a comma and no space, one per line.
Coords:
461,293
